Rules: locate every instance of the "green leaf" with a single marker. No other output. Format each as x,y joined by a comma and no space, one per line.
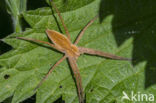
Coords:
103,80
15,8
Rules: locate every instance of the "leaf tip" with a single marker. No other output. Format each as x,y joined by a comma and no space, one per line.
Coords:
1,40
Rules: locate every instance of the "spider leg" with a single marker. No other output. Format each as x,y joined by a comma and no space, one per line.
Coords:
58,13
100,53
77,76
84,29
52,68
34,40
39,41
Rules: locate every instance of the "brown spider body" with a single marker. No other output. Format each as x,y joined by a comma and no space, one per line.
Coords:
63,43
71,51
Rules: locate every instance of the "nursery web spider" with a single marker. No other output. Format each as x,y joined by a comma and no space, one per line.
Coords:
71,51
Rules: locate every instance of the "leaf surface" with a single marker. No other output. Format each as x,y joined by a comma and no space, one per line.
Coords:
103,80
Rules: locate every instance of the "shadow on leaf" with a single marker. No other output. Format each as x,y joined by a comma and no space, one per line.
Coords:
135,19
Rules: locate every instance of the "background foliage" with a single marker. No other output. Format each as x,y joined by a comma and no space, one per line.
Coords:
125,28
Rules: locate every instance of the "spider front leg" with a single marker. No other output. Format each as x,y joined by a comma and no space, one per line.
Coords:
100,53
76,72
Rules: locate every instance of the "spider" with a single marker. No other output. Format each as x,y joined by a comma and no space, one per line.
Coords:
71,51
